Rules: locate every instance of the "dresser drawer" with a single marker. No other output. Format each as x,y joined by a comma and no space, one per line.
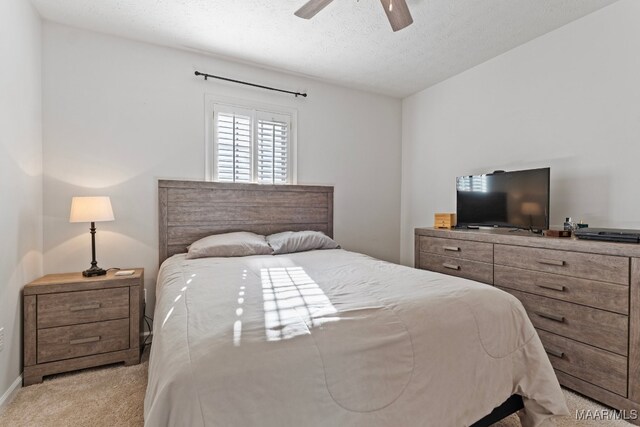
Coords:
606,296
67,342
599,367
473,270
606,268
71,308
585,324
475,251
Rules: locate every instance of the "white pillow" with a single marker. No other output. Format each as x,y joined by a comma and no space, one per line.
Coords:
300,241
241,243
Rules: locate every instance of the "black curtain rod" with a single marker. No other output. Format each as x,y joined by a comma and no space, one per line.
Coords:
206,76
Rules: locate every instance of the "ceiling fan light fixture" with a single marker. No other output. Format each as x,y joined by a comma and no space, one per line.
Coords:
399,16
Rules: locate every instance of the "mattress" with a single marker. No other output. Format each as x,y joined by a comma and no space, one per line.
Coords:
336,338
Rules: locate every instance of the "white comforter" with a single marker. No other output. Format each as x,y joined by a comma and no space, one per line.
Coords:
335,338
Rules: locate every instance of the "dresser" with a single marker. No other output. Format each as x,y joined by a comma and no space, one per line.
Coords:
73,322
583,298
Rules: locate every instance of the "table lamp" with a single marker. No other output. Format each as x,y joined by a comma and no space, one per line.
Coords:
91,209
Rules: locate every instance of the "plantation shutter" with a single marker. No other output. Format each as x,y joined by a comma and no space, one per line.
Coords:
273,147
251,146
233,133
472,183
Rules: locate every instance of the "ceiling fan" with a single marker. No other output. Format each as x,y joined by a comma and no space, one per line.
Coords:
397,11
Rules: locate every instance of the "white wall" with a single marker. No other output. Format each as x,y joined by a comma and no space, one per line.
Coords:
569,100
120,114
20,172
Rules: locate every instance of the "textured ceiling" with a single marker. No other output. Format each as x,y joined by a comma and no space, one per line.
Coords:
349,43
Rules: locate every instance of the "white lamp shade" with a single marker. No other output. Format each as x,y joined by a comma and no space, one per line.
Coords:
91,209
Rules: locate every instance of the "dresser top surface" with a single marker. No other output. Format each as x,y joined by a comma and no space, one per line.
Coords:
525,238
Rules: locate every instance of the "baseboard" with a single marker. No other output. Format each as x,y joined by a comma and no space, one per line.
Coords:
8,396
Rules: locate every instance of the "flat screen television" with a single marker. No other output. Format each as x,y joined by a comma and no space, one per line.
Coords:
518,199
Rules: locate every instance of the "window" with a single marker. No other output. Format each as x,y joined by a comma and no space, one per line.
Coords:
251,145
472,183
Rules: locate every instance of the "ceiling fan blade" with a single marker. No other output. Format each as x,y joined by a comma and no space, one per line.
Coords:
398,13
311,7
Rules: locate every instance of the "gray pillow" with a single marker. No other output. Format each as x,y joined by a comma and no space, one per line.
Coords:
300,241
241,243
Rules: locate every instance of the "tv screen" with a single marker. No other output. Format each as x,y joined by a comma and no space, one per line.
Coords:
518,199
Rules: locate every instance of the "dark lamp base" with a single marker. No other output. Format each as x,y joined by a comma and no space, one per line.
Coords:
94,271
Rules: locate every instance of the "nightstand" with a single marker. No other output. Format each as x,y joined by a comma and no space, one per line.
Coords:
73,322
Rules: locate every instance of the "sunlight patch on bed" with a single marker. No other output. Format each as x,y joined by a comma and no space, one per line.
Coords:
167,317
293,303
237,326
177,298
237,332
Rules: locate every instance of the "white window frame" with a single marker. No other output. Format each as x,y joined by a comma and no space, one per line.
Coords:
257,109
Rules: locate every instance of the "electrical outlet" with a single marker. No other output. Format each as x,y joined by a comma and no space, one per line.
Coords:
1,339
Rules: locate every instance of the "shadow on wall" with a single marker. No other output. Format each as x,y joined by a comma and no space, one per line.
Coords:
130,200
129,241
17,269
26,269
582,197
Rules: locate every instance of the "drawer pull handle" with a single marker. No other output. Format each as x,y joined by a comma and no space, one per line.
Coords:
85,307
84,340
451,248
451,266
552,262
549,316
559,288
557,353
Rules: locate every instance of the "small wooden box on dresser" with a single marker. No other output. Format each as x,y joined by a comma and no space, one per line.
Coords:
73,322
583,297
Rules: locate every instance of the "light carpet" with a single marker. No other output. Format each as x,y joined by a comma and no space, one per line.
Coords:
114,396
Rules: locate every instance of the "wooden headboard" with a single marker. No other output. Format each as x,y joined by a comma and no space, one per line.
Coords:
191,210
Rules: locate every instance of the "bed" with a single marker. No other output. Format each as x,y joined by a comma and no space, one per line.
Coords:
326,337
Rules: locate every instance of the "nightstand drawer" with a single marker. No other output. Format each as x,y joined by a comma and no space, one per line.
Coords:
475,251
82,340
599,367
479,271
72,308
585,324
606,268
